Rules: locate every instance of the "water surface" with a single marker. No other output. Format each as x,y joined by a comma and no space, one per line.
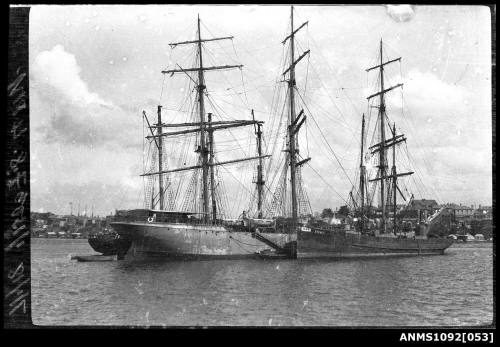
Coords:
454,289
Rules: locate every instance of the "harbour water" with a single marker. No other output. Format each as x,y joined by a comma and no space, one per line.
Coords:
455,289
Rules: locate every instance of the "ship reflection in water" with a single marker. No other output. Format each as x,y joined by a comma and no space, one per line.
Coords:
448,290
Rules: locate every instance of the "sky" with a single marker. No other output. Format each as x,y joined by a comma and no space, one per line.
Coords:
94,69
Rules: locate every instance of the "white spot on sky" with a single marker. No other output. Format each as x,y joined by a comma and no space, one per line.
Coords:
67,23
142,18
97,28
429,120
111,62
466,102
182,89
277,267
270,321
124,58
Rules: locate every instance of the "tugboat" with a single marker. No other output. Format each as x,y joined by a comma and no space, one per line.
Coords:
109,243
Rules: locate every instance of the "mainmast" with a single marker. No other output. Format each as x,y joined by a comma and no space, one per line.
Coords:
294,127
382,165
203,149
382,172
291,88
206,148
384,144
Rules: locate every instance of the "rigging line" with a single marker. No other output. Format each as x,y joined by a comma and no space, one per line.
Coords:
227,80
426,164
324,138
330,97
242,185
419,176
324,181
229,131
161,93
334,75
327,114
241,73
417,171
276,137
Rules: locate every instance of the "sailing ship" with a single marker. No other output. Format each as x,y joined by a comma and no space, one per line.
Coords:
378,236
158,231
286,232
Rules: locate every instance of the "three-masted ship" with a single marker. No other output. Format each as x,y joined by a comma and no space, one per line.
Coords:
161,232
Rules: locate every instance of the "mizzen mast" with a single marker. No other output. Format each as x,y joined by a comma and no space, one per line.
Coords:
362,170
260,178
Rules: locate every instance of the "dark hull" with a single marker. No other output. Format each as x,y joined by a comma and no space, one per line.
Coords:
170,240
92,258
109,244
341,244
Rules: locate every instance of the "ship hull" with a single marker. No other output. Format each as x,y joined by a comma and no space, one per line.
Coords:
341,244
109,244
161,240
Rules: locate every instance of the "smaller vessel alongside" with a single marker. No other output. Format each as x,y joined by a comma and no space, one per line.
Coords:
109,243
93,257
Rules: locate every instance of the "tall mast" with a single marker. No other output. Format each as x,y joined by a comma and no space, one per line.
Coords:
382,166
381,147
291,88
394,177
295,121
212,167
160,158
362,173
203,150
260,178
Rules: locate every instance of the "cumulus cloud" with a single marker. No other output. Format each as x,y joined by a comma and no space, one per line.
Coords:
400,13
426,91
74,114
59,69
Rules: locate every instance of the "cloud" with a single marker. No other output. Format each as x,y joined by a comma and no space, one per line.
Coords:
58,69
400,13
71,112
424,91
